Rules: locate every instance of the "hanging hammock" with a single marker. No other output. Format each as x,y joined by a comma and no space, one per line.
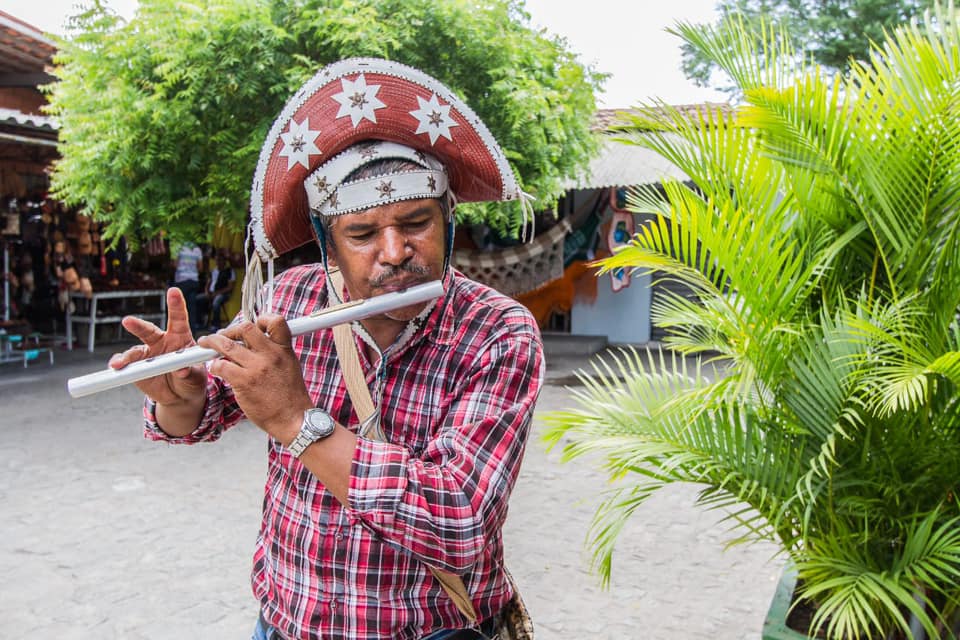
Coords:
519,269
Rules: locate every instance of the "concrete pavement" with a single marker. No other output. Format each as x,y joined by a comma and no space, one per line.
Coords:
106,535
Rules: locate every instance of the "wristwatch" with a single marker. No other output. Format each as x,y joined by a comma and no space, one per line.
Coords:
317,425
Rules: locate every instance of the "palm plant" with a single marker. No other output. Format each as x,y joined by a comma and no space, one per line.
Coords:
821,238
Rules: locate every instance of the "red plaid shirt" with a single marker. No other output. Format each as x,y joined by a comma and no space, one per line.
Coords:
456,403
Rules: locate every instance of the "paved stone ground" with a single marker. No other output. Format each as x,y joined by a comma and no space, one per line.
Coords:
105,535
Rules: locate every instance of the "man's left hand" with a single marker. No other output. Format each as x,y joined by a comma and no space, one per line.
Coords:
258,361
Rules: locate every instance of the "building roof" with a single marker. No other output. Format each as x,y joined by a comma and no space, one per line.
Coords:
623,165
608,119
25,53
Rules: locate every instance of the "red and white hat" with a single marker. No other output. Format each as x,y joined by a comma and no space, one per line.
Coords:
364,100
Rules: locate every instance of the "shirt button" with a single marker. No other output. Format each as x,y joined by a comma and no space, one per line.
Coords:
339,535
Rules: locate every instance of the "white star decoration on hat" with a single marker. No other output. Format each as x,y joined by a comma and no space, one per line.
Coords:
358,100
298,144
433,118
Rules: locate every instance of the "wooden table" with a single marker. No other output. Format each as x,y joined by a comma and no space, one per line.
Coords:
92,320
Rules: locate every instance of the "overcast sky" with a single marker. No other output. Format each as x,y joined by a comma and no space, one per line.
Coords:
622,37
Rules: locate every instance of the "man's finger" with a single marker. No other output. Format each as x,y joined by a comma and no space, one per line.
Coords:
147,332
276,328
228,347
176,309
133,354
249,334
224,368
233,331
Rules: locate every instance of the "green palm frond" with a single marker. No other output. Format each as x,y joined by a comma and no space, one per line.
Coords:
716,152
909,178
854,595
622,398
947,365
730,235
943,294
666,438
931,553
820,394
898,355
611,517
819,389
694,328
752,59
808,134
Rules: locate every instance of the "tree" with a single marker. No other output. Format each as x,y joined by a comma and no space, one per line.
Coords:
834,33
162,118
821,237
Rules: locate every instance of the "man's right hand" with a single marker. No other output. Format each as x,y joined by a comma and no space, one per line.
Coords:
182,388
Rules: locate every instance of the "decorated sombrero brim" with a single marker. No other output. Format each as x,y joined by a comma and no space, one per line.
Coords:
363,99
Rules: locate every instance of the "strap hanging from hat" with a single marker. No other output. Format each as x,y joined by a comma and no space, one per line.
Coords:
363,406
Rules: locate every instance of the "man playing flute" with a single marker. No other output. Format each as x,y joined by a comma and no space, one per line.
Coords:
362,518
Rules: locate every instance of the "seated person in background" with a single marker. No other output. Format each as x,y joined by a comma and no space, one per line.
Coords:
218,290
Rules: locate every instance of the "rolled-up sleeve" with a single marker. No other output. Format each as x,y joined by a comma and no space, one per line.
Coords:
220,412
443,505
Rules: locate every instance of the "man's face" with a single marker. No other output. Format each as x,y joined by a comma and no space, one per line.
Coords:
387,248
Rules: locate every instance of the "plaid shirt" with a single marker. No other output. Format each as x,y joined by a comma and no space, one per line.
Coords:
456,401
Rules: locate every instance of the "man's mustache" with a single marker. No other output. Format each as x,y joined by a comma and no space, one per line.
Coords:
392,272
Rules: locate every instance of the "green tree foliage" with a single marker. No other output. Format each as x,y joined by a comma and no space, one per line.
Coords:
162,118
822,242
834,33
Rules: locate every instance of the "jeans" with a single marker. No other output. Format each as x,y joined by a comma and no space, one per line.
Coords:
263,631
218,301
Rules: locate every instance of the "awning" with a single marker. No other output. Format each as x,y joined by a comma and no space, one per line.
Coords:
623,165
27,128
30,120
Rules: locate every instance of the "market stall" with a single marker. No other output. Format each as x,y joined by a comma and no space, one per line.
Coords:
56,265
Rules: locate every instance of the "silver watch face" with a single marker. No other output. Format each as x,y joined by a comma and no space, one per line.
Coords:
318,423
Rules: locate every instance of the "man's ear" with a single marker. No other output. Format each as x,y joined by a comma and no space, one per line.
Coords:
328,249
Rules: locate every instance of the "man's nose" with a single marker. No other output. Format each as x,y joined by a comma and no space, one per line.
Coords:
394,249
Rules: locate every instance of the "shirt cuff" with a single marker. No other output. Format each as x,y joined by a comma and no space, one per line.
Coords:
378,480
205,431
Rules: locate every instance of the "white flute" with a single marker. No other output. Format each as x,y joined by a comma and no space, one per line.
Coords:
332,316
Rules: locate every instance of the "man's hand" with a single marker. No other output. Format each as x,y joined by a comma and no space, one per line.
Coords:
259,363
181,387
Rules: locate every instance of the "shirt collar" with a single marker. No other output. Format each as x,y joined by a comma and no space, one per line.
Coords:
435,322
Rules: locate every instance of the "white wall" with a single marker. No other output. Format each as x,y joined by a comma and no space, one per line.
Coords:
623,317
